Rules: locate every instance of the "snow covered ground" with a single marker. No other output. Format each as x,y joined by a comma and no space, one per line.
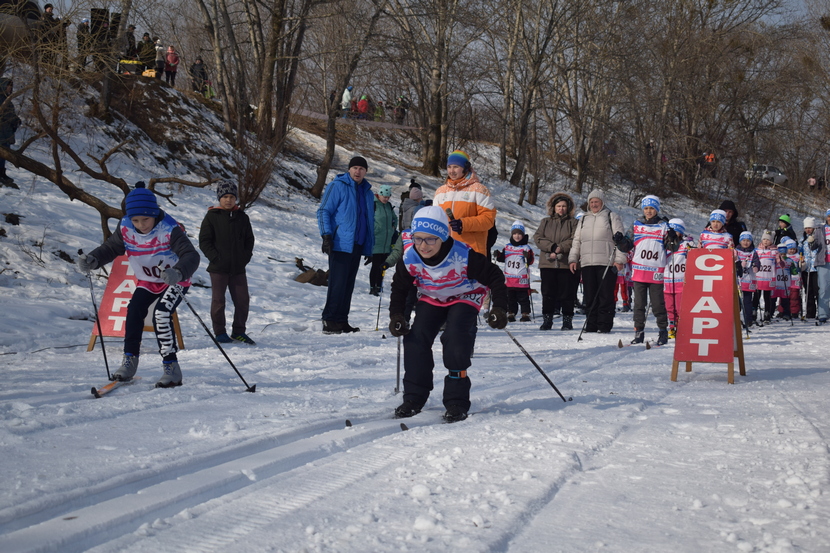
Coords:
634,463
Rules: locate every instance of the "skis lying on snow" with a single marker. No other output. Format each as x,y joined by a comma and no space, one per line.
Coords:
647,344
349,425
107,388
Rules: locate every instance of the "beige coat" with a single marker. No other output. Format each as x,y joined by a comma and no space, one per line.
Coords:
556,230
594,239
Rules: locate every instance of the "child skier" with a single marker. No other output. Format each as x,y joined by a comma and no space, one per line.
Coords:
812,248
715,236
161,256
227,240
795,278
517,258
652,239
764,277
784,269
749,265
452,280
674,274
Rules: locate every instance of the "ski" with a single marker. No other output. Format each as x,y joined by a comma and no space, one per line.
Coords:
107,388
621,345
349,425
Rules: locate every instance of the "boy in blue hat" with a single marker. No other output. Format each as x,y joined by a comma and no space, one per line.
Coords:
161,256
517,257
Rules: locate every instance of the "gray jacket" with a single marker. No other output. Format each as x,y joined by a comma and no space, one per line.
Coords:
594,239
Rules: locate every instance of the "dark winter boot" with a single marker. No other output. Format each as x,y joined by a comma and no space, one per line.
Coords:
639,336
332,327
407,409
557,312
375,291
662,337
454,414
567,323
626,307
511,317
548,322
525,318
127,369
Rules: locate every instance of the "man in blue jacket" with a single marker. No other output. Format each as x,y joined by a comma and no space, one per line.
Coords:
346,219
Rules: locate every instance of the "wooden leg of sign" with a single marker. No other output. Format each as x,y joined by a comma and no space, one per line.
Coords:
739,339
91,345
674,365
731,370
178,330
688,366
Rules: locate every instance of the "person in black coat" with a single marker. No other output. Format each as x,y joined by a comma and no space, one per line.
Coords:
785,228
733,225
198,76
9,123
227,240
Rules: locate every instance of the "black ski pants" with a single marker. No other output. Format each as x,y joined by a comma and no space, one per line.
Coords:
598,297
457,340
561,285
137,310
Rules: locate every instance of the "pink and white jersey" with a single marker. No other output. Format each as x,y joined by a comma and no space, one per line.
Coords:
827,242
747,281
649,259
795,280
712,240
516,272
781,284
674,275
146,251
446,283
766,274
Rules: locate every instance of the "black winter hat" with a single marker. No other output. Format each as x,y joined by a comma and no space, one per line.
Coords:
729,204
358,161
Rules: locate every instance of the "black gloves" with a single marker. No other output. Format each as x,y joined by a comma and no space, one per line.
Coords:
398,325
384,267
368,260
528,255
327,244
739,268
455,225
671,235
619,239
496,254
497,318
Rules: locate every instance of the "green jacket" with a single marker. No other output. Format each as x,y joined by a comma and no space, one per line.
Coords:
386,223
227,240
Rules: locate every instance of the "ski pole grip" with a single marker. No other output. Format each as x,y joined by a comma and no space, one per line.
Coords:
448,211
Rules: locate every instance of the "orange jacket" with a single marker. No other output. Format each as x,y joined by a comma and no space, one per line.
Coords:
471,202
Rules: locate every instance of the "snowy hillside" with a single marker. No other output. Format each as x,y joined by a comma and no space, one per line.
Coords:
634,463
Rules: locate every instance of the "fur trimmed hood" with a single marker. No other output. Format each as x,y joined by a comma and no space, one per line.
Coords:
558,197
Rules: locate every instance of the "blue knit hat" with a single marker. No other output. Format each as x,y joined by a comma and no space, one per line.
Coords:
782,247
431,220
517,225
827,213
746,235
385,190
650,201
141,202
718,215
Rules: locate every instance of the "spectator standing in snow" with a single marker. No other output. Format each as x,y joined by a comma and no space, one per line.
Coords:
554,238
473,209
161,57
9,123
198,76
784,230
823,269
171,66
346,102
363,108
146,51
151,239
451,279
346,221
814,250
733,225
82,37
385,230
130,50
227,240
593,251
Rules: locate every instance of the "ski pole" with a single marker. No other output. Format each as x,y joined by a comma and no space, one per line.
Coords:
596,296
538,368
97,320
380,299
178,290
398,381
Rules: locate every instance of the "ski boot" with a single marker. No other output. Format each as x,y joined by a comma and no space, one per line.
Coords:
375,291
511,317
639,336
454,414
172,375
662,337
547,322
626,307
127,369
525,318
672,331
567,323
407,409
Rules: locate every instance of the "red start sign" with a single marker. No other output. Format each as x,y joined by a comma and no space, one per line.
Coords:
113,309
708,327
